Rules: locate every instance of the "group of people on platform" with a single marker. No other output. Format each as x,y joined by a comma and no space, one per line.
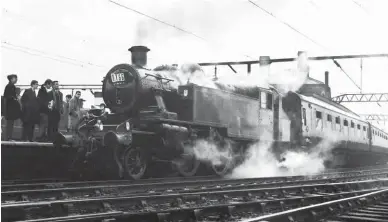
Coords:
42,106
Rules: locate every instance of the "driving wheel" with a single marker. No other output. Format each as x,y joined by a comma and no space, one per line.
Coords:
135,163
187,165
222,166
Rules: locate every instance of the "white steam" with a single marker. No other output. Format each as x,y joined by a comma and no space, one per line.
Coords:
292,80
209,152
259,160
285,81
186,73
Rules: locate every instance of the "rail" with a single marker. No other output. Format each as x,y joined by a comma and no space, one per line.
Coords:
310,213
162,207
153,202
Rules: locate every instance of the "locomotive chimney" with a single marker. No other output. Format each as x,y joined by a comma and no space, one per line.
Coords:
139,55
327,78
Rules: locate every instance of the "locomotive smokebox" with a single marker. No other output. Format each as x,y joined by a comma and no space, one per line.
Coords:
139,55
327,78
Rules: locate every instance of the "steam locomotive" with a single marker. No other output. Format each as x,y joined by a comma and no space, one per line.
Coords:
151,121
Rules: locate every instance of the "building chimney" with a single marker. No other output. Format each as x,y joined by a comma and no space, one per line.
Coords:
327,78
139,55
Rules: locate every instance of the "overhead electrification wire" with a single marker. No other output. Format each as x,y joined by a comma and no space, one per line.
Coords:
304,35
360,6
43,56
340,67
165,23
49,55
286,24
158,20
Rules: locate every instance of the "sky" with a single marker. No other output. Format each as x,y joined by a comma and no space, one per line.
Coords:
78,41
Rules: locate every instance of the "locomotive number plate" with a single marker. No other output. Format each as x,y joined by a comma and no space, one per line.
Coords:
117,77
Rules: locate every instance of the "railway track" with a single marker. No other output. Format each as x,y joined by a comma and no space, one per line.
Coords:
199,205
44,181
76,190
46,184
365,210
371,207
189,199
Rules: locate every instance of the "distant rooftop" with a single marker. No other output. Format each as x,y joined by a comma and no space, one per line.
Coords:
313,81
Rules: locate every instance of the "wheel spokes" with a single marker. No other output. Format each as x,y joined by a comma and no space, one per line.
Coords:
135,163
187,165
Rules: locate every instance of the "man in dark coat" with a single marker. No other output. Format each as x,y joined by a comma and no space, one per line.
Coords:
56,98
12,106
66,109
30,109
43,98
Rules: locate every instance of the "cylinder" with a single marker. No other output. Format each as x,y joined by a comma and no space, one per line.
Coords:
112,139
63,139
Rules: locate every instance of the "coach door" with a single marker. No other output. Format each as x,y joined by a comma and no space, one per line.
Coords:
306,118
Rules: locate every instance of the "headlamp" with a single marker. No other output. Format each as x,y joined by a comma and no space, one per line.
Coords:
127,126
100,125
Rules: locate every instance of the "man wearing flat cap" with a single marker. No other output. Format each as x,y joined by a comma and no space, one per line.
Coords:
12,105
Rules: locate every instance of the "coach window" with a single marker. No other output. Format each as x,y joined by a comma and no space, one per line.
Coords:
338,123
352,130
346,127
318,119
304,116
364,133
359,132
329,122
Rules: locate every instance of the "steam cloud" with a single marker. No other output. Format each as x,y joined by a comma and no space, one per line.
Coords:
259,160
